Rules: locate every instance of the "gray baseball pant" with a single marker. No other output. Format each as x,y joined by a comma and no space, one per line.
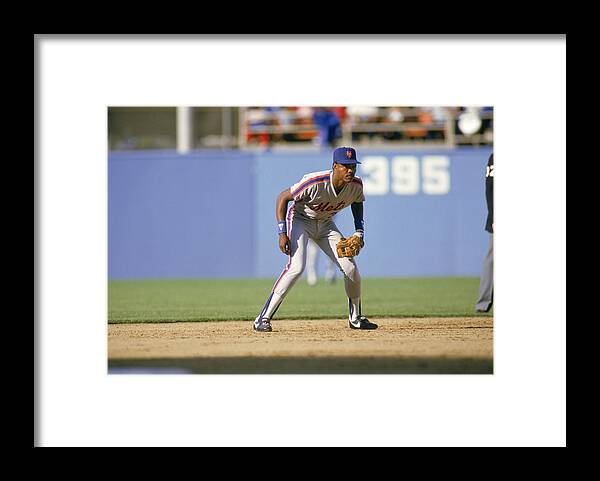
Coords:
486,281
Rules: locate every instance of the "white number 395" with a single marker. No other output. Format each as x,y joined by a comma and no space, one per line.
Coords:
407,175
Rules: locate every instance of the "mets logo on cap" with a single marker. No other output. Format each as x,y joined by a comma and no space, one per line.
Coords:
345,155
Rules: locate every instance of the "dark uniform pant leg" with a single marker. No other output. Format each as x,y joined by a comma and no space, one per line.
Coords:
486,282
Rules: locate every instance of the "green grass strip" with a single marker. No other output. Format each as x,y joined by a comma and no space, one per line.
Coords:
243,299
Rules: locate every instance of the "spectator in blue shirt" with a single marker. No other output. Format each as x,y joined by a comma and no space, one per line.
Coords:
329,125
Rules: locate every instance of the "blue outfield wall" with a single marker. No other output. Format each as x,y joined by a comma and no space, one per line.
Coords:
175,216
212,213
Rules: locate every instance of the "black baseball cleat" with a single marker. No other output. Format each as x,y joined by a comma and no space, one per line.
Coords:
262,325
361,323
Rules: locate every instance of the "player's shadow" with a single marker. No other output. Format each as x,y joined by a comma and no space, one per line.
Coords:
294,365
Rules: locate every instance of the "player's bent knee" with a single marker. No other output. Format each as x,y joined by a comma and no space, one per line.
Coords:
350,270
295,272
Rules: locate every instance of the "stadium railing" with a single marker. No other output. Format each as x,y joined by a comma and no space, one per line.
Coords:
298,130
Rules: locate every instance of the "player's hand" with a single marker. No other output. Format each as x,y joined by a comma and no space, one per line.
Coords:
284,244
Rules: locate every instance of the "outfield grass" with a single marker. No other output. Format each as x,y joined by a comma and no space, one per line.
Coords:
237,299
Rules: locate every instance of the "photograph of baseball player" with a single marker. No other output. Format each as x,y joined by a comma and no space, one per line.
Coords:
316,198
216,213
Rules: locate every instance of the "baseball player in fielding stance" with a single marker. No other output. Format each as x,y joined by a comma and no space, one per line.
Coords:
316,198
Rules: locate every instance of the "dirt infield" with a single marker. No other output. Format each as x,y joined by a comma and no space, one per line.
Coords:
399,346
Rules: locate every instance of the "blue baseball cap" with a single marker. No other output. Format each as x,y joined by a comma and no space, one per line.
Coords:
345,155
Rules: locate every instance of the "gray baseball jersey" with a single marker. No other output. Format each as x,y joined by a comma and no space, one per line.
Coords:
316,198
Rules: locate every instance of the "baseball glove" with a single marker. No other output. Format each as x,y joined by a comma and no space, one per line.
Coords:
349,247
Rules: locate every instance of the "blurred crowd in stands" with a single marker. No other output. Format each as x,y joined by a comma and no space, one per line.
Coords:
131,128
328,126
